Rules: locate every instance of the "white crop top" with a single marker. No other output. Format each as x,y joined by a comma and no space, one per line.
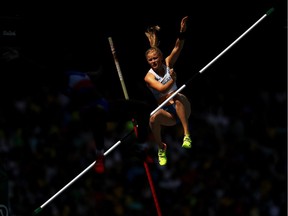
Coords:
162,80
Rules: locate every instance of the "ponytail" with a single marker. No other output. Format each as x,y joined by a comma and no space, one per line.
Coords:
152,35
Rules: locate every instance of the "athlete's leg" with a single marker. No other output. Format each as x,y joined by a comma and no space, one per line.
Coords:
183,110
159,119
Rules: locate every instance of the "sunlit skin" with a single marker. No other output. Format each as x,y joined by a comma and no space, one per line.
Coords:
161,118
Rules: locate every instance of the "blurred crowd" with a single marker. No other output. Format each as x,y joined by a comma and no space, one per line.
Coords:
237,165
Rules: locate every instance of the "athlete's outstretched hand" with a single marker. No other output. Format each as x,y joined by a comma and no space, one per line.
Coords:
183,25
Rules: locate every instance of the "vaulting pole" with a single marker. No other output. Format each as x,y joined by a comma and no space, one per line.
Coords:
127,98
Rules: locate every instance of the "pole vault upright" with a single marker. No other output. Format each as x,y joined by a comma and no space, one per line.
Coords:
211,62
127,98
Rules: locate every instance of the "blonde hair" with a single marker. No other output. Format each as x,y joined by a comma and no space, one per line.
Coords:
152,35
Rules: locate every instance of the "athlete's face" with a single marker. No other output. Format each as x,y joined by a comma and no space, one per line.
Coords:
154,59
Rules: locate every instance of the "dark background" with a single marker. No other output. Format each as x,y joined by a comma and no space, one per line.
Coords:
239,169
53,36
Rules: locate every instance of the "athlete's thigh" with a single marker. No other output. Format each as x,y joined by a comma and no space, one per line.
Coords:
165,118
184,100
